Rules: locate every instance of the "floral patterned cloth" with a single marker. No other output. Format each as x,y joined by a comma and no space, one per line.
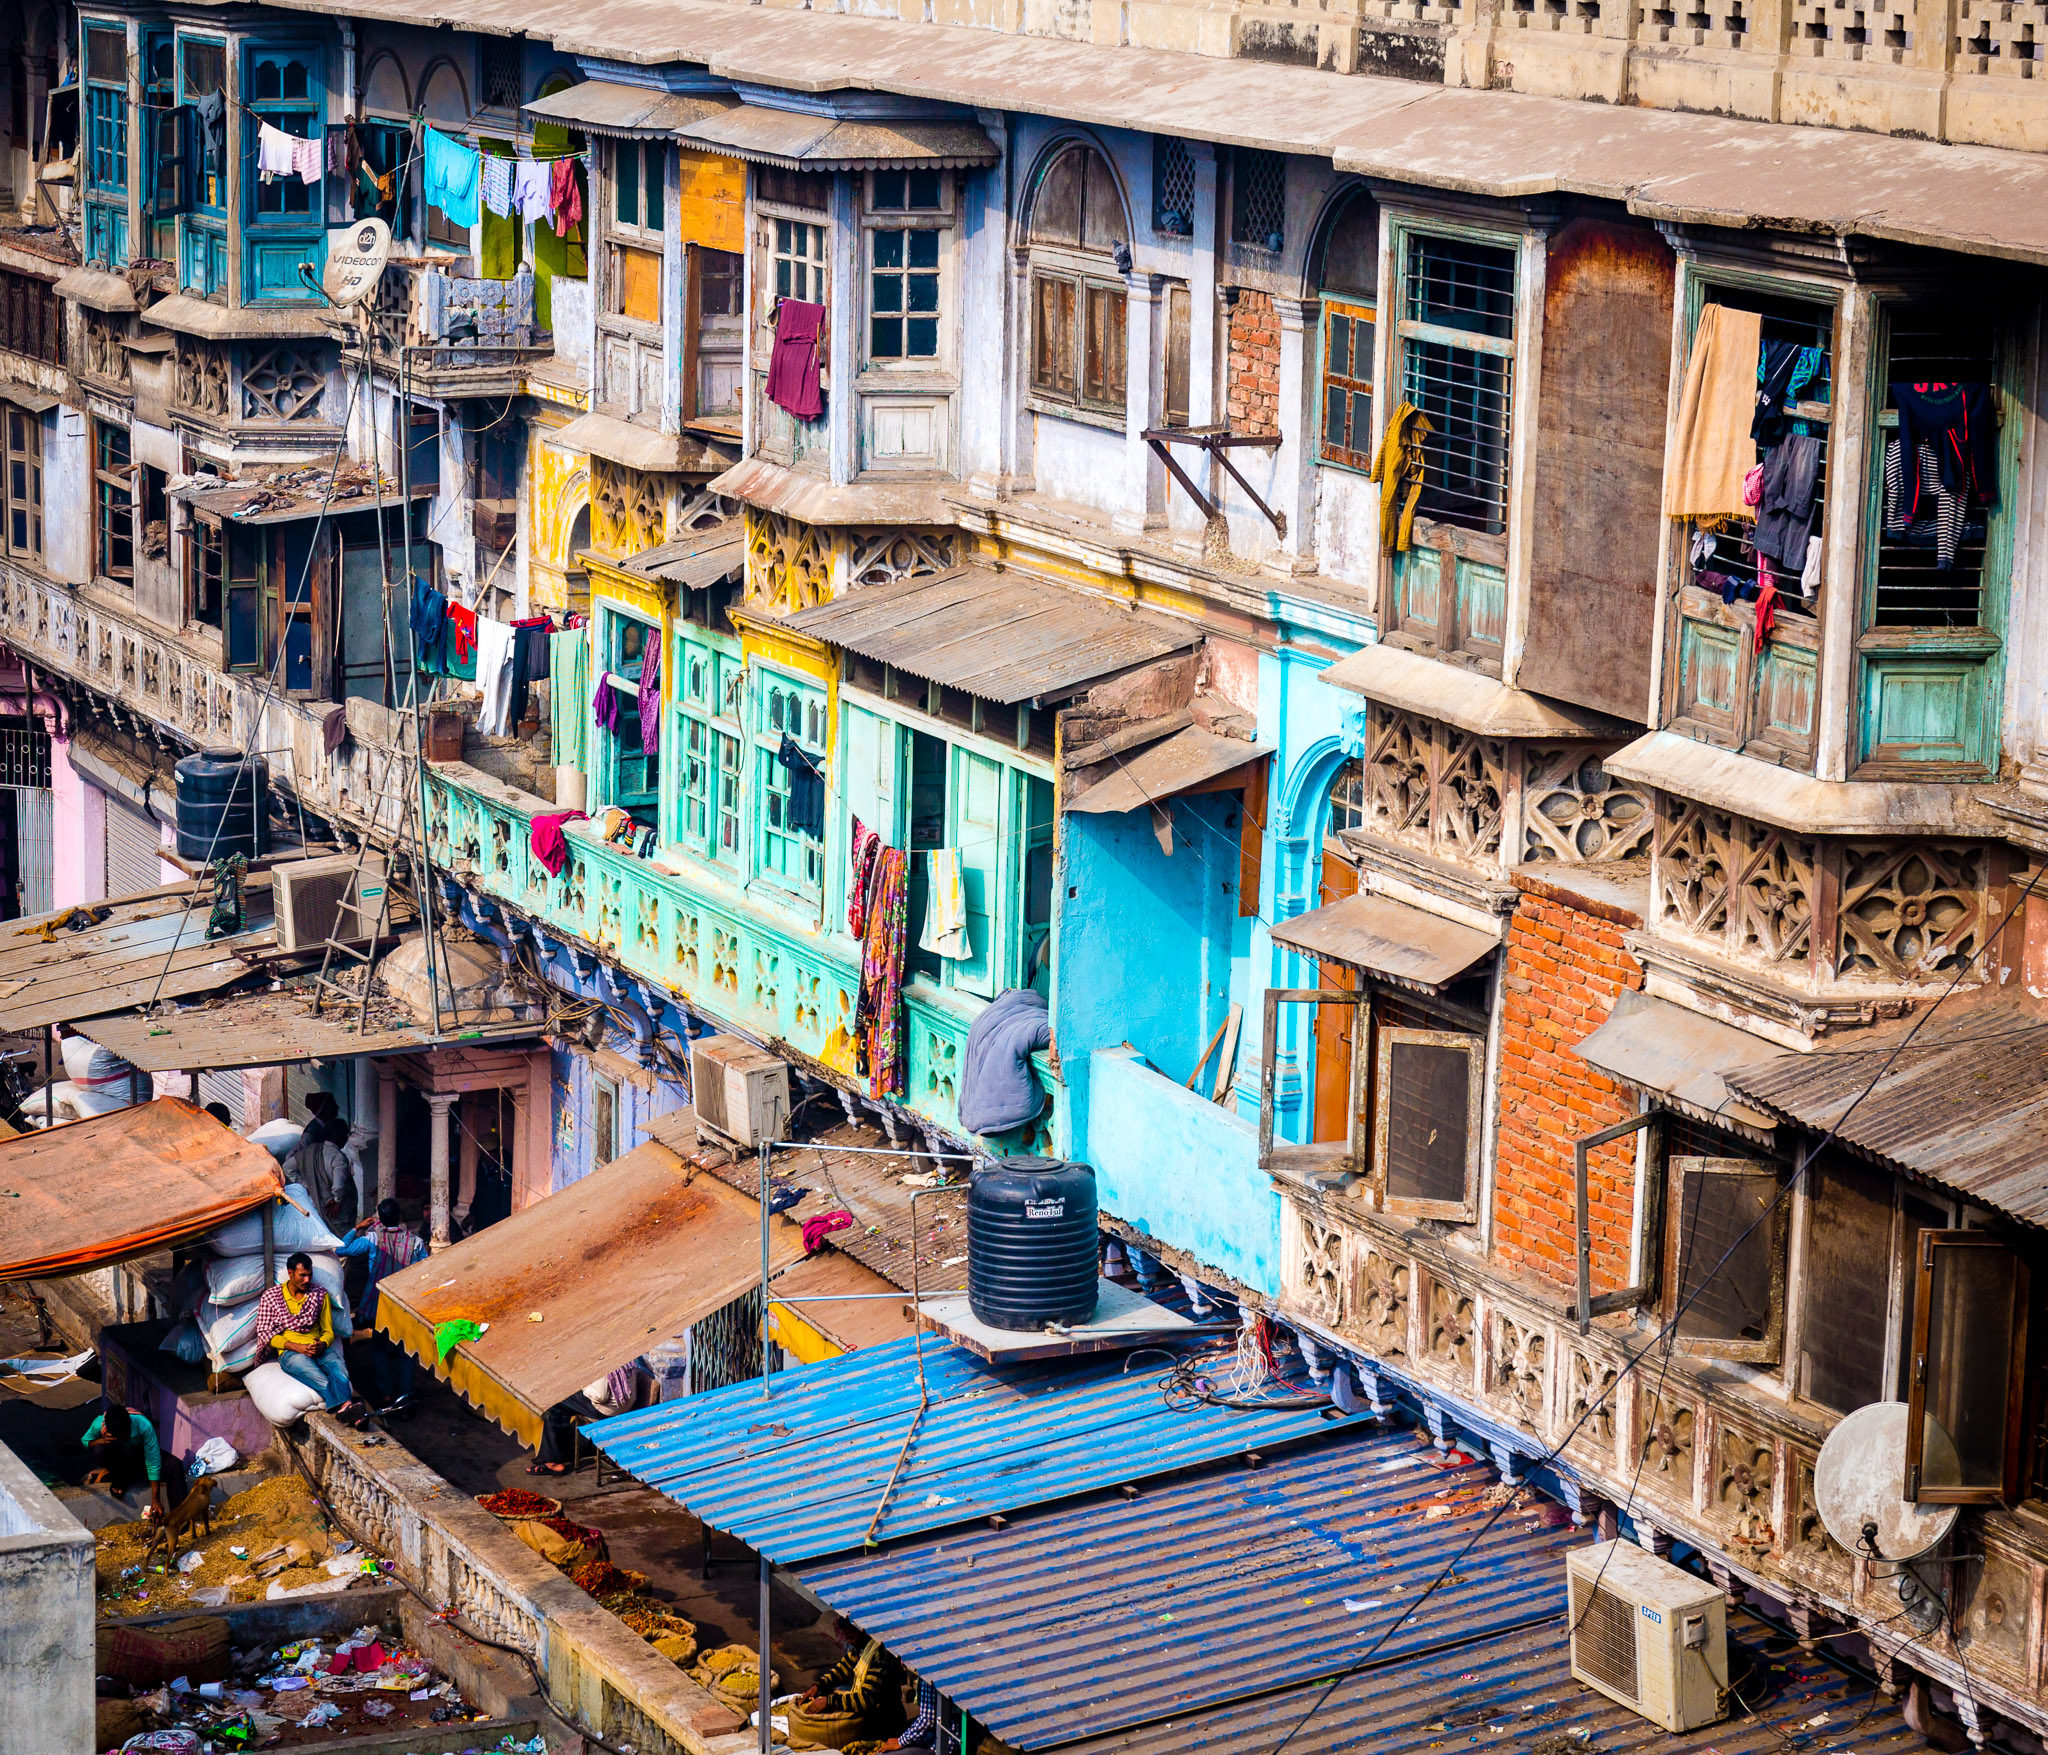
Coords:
866,845
878,1030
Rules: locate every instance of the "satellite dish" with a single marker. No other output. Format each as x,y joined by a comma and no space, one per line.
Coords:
1859,1484
356,255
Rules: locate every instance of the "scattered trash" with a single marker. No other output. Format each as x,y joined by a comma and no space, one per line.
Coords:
1358,1605
191,1560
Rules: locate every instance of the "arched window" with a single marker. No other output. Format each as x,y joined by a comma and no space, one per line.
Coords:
1347,798
384,87
1080,251
445,100
1347,275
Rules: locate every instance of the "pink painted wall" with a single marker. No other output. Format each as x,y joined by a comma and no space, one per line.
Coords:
78,866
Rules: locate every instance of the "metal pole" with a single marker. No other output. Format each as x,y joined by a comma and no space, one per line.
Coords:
767,1730
766,1380
49,1075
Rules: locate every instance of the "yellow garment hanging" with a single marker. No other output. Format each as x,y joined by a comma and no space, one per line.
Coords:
1398,464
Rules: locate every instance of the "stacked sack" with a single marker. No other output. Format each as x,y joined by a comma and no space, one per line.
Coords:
226,1318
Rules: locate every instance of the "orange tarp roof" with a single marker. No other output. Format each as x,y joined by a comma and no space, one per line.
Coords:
116,1186
632,1254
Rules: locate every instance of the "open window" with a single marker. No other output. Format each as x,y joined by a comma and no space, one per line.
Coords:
632,777
1341,1158
1348,275
1726,1292
1428,1086
1966,1391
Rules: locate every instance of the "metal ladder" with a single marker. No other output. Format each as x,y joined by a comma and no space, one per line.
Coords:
325,982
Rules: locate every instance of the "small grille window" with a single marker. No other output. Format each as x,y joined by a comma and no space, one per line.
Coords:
1258,213
1173,186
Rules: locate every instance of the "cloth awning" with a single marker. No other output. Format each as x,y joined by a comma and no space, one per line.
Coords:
630,1256
1679,1055
798,1473
1965,1106
121,1185
998,635
1385,937
1193,760
799,141
1085,1618
696,559
637,446
605,107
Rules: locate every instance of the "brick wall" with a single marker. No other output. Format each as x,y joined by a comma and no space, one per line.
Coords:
1564,965
1252,399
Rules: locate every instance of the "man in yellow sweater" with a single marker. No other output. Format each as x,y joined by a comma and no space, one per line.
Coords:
295,1321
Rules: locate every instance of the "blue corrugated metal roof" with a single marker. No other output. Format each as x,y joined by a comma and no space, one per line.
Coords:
1081,1619
798,1474
1515,1693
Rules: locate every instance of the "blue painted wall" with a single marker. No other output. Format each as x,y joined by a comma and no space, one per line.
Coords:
1182,1169
571,1072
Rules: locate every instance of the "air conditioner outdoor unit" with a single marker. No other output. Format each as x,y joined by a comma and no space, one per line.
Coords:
319,899
742,1092
1648,1634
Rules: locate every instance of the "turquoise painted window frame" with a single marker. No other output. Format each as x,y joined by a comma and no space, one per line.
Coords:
278,241
1968,664
705,815
627,777
202,247
104,123
786,859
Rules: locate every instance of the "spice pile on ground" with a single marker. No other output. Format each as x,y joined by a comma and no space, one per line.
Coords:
275,1521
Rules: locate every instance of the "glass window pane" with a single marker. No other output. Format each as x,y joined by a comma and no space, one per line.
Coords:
924,292
886,338
626,160
655,176
922,339
889,292
1846,1287
1974,1309
1719,1216
924,189
889,188
888,249
924,249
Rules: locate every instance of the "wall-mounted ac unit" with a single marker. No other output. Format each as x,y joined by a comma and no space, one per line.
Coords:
742,1092
1648,1634
319,899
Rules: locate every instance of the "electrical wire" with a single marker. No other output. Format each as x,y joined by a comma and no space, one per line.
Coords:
1670,1327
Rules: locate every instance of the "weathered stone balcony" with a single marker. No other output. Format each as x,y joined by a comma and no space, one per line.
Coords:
694,939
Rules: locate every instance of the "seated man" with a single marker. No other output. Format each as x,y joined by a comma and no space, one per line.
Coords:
297,1322
867,1682
129,1453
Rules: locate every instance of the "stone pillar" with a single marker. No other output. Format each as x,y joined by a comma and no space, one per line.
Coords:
438,1103
465,1193
1144,495
262,1096
387,1132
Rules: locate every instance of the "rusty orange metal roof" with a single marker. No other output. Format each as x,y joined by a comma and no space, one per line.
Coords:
117,1186
1390,938
577,1284
1964,1104
1181,763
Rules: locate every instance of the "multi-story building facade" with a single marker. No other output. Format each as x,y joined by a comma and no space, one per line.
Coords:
1372,849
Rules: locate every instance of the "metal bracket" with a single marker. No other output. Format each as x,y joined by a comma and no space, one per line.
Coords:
1629,1297
1217,441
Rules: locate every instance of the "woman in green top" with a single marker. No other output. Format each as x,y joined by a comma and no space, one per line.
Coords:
130,1453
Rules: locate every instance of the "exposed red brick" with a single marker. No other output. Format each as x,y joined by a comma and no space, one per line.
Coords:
1252,393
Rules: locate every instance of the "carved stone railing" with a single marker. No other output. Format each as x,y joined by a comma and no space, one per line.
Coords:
463,1561
1496,1362
693,935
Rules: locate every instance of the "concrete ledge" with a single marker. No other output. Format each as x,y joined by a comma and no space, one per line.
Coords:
47,1590
598,1674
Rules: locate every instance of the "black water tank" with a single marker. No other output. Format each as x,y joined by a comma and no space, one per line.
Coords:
223,805
1031,1243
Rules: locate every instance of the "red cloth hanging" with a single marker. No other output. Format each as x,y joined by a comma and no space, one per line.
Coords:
565,196
795,376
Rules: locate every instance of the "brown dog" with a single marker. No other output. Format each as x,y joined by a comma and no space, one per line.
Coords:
195,1509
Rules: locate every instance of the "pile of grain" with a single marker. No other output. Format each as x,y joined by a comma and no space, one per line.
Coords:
269,1515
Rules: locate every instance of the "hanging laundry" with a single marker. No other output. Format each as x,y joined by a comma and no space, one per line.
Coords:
1785,371
945,907
274,152
1785,512
805,811
212,111
494,676
1809,575
1766,610
1924,506
565,196
459,647
530,638
867,848
1710,446
650,698
452,174
497,184
429,617
309,159
338,151
878,1029
795,368
1961,422
531,194
550,846
1398,467
604,704
568,682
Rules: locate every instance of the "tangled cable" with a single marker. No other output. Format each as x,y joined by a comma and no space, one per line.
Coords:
1243,1373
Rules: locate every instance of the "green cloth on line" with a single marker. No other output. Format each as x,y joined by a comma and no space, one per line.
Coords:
450,1335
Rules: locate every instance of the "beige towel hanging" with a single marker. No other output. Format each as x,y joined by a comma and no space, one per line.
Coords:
1711,450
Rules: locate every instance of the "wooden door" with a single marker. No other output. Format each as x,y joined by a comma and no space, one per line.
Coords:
1335,1023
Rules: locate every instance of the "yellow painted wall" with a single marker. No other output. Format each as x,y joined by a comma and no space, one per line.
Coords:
712,204
557,489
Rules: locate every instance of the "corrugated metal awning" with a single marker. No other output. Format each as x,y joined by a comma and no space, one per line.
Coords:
696,559
798,1474
1680,1056
797,141
605,107
121,1185
1084,1619
999,636
1389,938
1964,1105
637,446
1184,762
634,1253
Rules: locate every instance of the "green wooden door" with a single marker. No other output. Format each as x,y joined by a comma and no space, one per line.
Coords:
977,826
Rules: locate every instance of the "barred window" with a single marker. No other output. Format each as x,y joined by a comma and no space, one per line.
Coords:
1258,199
1457,368
501,81
1173,186
31,318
